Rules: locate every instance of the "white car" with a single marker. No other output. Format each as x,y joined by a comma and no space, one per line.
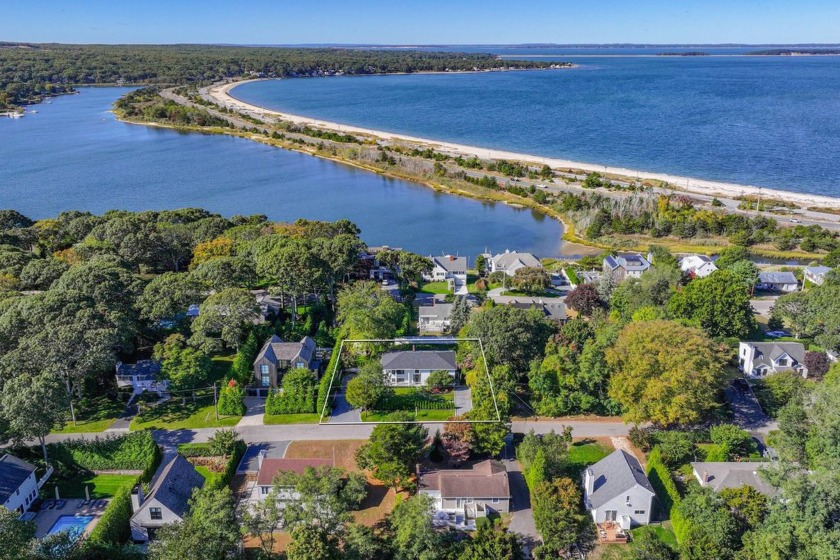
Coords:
777,334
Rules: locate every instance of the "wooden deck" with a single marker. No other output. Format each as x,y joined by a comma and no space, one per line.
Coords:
610,532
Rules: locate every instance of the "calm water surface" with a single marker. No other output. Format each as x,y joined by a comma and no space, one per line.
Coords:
764,121
73,155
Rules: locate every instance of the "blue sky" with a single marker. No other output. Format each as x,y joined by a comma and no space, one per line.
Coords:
415,21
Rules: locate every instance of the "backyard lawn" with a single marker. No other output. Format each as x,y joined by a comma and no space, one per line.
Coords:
93,415
176,414
312,418
584,453
100,486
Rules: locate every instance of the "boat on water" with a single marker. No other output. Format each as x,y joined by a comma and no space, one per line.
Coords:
33,111
15,115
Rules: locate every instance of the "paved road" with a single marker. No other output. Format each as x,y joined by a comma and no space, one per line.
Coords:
293,432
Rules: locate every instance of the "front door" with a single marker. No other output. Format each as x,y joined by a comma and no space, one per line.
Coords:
611,515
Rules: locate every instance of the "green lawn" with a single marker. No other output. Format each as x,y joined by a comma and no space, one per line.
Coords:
435,288
584,453
93,415
312,418
420,416
220,368
177,415
100,486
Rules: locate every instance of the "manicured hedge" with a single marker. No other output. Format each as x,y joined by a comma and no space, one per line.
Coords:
667,492
134,451
324,385
297,396
225,478
195,450
113,526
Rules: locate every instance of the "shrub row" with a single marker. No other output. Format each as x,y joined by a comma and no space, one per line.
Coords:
667,492
297,396
324,385
195,450
225,478
412,401
113,526
134,451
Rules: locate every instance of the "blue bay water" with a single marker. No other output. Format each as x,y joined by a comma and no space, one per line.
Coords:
762,121
74,155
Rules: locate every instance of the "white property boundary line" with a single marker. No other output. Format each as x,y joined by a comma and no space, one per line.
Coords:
410,340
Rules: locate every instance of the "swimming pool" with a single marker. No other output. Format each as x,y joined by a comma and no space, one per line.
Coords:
74,524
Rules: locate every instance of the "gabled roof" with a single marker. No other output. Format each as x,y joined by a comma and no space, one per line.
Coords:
421,359
553,310
627,261
777,278
732,475
614,475
509,260
13,473
174,486
764,353
440,311
275,350
817,270
487,479
271,467
450,263
142,367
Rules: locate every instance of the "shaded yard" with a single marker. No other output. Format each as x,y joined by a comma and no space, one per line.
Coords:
176,414
93,415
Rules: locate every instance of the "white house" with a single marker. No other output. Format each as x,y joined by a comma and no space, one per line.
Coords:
18,483
615,489
777,281
434,318
625,265
759,359
816,274
450,269
719,476
412,368
697,266
463,495
168,499
270,467
511,261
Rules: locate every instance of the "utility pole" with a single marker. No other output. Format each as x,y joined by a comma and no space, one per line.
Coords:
215,401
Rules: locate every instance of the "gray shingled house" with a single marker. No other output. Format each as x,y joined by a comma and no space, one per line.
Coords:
276,357
511,261
168,500
777,281
433,318
467,494
721,475
625,265
412,368
760,359
615,489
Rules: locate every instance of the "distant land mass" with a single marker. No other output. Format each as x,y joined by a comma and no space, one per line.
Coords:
687,53
795,52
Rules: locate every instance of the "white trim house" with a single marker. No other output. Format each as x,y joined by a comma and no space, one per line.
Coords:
760,359
697,266
464,495
615,489
18,483
511,261
412,368
434,318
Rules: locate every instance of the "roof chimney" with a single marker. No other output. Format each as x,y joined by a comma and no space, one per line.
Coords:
136,498
705,477
260,457
589,482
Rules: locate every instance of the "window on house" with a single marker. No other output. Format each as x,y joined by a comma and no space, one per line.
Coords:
264,489
156,514
300,365
639,512
265,380
263,369
495,500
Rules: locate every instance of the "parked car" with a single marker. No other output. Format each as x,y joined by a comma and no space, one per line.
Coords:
777,334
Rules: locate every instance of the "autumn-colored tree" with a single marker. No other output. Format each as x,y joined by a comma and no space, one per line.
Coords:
458,439
584,299
665,373
203,252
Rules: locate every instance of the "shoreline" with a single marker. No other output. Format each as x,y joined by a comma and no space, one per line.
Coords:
222,94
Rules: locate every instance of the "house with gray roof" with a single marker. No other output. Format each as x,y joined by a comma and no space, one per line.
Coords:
625,265
697,266
18,483
760,359
616,490
777,282
511,261
816,274
412,368
168,499
449,269
552,308
277,357
463,495
434,318
719,476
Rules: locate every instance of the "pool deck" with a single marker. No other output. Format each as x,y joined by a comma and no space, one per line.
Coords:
45,518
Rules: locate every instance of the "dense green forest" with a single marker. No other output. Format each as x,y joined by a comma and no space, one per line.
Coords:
28,71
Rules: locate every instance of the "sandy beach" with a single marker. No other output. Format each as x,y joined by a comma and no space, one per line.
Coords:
223,94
